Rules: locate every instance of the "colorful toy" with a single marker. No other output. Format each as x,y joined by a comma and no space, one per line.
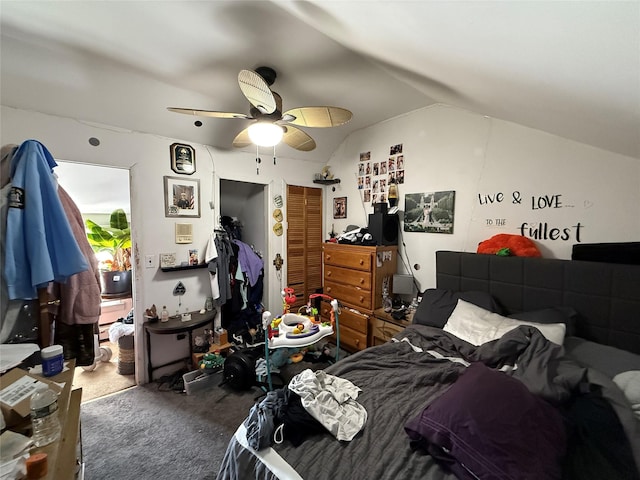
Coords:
295,330
211,360
288,299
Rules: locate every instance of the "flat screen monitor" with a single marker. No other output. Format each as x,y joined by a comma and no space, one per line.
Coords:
403,287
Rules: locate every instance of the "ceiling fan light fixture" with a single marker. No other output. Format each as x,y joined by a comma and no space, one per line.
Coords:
265,134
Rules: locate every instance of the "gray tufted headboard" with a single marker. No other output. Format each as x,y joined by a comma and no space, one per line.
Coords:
606,295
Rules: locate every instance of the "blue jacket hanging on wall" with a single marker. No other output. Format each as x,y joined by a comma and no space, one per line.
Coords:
40,245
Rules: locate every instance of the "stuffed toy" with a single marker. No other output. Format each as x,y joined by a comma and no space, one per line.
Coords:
505,244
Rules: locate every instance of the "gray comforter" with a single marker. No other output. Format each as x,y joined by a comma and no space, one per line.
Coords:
398,379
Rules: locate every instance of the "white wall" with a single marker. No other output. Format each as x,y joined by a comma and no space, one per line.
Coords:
478,157
444,149
147,158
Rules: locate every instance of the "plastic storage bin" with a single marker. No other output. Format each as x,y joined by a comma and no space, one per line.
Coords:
197,380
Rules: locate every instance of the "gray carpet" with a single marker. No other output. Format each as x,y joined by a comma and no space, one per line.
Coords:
153,432
149,432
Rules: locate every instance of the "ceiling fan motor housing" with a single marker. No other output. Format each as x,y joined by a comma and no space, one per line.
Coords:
275,115
267,73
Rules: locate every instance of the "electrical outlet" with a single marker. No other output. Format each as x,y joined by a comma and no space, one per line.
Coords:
149,261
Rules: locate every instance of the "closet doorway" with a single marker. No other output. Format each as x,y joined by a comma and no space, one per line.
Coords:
246,203
97,191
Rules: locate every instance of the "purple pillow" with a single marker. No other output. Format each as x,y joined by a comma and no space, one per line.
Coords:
488,425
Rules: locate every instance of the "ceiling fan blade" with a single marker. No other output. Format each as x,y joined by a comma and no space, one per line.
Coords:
296,138
318,117
242,139
209,113
257,91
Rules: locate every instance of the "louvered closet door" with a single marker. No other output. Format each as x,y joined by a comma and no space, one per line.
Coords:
304,241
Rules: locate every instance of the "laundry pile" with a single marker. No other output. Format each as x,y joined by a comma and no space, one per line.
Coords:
313,402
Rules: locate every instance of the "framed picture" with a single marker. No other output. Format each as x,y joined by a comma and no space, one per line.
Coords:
340,207
183,158
167,260
181,197
430,212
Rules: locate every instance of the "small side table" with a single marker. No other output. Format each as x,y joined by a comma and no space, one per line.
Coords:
173,326
383,326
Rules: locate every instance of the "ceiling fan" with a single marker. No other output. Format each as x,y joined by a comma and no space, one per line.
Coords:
266,110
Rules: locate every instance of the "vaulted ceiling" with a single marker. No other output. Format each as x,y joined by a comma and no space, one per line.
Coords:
568,68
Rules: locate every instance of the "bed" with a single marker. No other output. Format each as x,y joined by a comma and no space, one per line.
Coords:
540,380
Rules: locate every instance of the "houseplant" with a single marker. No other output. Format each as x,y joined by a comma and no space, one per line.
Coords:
115,241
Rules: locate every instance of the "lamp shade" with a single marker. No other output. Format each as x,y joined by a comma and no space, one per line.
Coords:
265,134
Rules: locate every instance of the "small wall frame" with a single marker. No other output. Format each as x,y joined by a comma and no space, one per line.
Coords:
340,207
181,197
183,158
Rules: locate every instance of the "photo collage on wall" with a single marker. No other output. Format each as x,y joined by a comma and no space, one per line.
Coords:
374,177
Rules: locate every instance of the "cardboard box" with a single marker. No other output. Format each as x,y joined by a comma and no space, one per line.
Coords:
220,337
220,348
195,360
16,388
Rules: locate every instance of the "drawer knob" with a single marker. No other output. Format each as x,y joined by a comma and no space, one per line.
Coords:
328,289
361,261
361,281
328,273
361,299
328,257
357,342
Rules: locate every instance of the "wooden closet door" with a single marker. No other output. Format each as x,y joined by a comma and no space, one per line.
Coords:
304,242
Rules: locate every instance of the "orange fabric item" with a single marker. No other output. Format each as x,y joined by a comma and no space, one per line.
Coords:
518,245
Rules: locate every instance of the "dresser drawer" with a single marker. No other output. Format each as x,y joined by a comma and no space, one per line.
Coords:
347,318
357,278
353,296
348,259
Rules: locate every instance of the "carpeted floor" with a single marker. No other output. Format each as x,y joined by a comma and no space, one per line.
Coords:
145,432
153,432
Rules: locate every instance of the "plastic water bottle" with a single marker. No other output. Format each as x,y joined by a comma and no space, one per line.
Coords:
44,416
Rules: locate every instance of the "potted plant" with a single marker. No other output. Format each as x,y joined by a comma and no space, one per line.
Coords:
115,241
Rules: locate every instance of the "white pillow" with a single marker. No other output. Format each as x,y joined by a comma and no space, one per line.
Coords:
629,383
477,326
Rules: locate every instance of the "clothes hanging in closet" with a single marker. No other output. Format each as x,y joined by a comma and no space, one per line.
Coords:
218,256
250,262
211,259
236,276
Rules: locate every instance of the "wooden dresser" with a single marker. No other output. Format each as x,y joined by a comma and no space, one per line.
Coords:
354,275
